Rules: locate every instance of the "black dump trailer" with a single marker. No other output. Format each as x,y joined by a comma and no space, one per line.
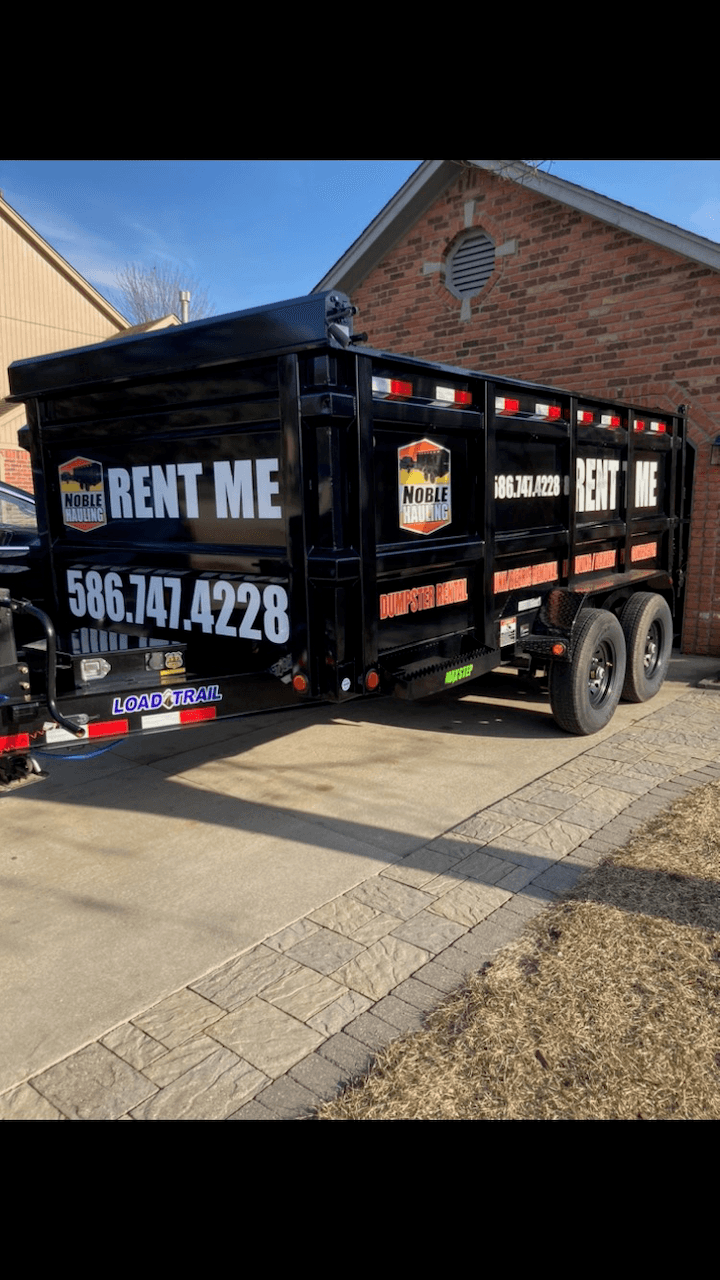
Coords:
256,511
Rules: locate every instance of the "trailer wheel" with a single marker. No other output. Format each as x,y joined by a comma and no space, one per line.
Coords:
585,692
647,624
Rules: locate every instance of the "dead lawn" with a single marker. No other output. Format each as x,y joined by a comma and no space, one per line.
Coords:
608,1008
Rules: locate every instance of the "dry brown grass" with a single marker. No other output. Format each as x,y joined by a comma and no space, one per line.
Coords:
607,1008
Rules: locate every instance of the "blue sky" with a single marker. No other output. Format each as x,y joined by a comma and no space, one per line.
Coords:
256,231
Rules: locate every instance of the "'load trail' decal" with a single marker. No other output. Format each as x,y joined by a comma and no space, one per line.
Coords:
424,487
167,699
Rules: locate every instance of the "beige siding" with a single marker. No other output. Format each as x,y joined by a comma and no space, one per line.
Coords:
44,306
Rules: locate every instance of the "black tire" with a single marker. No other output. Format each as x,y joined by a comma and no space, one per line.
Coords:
647,624
585,692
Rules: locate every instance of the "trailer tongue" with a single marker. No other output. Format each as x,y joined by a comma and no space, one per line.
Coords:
253,511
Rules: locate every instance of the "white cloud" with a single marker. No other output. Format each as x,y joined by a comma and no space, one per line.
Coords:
95,257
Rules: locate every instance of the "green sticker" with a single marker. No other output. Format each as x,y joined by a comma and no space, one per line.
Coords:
460,673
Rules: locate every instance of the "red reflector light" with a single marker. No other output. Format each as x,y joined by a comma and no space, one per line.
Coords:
392,388
400,388
452,395
658,426
300,683
504,405
548,410
638,425
372,680
585,416
558,649
610,420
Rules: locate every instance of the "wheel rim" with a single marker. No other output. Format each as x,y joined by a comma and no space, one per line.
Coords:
601,676
653,643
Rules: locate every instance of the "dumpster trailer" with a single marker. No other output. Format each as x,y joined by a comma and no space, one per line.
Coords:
256,511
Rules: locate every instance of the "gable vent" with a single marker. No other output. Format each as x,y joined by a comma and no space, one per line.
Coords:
470,265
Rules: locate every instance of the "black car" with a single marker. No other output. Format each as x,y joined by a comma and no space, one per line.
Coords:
20,548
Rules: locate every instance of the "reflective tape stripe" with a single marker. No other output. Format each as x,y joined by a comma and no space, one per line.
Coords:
59,735
166,718
162,718
197,713
106,729
15,742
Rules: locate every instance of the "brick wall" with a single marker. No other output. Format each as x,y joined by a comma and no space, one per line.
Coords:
15,468
575,302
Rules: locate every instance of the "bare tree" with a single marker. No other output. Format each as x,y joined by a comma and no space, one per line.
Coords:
149,293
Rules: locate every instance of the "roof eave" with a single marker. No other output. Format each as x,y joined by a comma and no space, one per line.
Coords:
432,177
61,265
422,188
634,221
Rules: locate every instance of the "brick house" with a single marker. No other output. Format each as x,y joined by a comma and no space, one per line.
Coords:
495,266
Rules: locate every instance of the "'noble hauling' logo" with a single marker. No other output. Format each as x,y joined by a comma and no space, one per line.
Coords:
82,494
424,487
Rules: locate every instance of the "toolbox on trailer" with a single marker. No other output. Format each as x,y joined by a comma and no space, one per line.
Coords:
255,510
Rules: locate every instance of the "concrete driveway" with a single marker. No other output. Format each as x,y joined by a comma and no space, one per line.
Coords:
128,878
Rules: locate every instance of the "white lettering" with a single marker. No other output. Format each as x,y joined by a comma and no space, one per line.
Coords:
646,484
600,484
234,490
244,490
119,489
165,492
596,487
421,513
590,484
141,493
267,488
613,467
580,487
190,472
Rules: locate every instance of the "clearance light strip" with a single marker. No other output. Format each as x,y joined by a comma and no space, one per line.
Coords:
391,388
639,425
548,410
452,395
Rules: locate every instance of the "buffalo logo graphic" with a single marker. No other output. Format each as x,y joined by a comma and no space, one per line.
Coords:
82,494
424,487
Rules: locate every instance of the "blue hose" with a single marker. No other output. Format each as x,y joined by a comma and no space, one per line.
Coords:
85,755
